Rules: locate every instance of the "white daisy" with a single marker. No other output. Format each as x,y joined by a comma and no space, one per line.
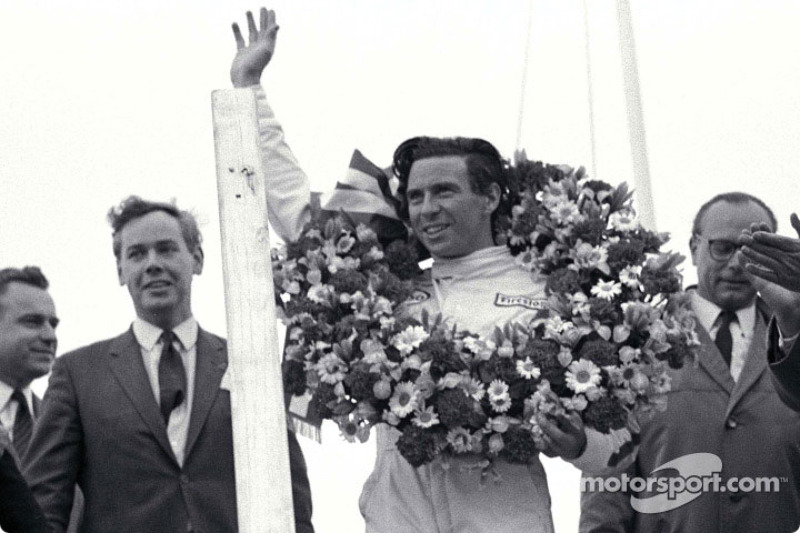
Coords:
331,369
425,417
404,400
409,339
527,369
607,290
460,439
582,375
629,276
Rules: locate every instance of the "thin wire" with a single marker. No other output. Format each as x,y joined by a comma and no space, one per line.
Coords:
587,42
523,89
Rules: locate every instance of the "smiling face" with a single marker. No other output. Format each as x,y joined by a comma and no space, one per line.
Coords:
157,266
447,216
27,334
724,282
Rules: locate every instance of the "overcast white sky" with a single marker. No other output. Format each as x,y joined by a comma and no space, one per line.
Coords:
99,100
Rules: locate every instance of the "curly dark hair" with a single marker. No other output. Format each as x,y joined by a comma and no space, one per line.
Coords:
134,207
484,166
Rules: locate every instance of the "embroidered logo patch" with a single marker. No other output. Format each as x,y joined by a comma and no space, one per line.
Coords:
418,296
503,300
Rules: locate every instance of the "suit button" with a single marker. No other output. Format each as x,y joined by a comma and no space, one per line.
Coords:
184,479
731,423
737,496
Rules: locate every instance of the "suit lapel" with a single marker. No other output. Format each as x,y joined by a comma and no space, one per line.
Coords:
754,366
713,363
209,369
128,368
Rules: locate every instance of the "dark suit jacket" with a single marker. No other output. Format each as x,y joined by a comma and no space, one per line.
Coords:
100,426
785,370
19,512
744,423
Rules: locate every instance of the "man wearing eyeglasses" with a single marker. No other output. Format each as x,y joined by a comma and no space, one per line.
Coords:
726,405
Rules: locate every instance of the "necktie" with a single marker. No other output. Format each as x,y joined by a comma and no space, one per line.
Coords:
23,424
171,376
724,341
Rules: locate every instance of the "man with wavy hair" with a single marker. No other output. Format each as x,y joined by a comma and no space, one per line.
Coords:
142,421
451,190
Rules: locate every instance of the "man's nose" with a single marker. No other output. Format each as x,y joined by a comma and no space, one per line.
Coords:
47,334
430,206
153,262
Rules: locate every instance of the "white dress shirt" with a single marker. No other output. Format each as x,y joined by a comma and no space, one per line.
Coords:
741,329
9,407
149,338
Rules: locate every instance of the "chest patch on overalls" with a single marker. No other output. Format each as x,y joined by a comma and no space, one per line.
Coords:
503,300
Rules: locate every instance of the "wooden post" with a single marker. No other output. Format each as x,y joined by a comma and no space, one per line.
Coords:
633,100
261,456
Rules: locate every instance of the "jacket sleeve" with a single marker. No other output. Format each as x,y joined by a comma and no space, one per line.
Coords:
18,508
288,191
785,368
301,489
605,512
54,455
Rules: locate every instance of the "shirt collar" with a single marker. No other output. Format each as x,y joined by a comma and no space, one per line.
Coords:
147,335
707,313
7,390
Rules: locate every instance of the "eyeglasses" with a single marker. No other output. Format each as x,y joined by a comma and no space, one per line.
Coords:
721,249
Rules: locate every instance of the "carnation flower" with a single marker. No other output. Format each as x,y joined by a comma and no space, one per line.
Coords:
417,446
600,352
361,383
331,369
590,230
607,290
519,446
527,369
582,375
605,414
454,407
563,281
403,400
409,339
425,417
625,253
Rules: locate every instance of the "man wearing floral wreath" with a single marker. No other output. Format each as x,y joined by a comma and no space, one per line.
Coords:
726,405
451,190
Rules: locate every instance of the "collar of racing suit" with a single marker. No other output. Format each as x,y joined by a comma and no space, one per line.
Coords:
482,263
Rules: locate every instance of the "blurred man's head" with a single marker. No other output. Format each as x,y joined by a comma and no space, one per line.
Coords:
450,190
27,326
717,225
158,250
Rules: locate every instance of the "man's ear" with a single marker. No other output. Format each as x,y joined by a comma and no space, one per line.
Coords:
199,257
693,248
493,197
